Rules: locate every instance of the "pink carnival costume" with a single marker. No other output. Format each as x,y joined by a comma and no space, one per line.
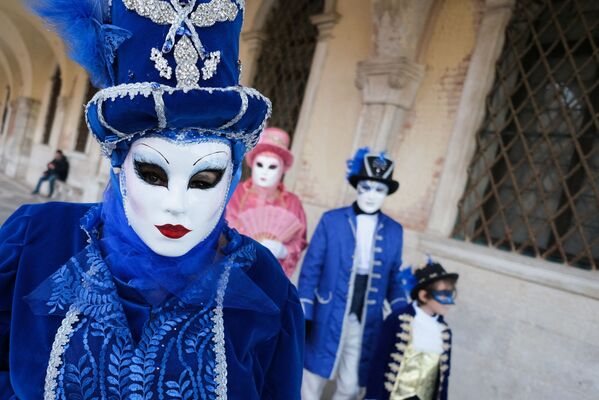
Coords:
263,209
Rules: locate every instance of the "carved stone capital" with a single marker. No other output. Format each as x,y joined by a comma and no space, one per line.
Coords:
325,24
393,82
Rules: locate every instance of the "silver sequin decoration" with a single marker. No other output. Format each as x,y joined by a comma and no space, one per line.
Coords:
207,14
161,64
182,17
210,65
187,71
159,11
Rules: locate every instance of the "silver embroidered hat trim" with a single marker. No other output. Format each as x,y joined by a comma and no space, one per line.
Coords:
157,91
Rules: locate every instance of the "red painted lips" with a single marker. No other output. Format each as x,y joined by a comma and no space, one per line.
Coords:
173,231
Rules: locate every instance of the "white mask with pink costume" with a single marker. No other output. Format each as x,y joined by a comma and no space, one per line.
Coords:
263,209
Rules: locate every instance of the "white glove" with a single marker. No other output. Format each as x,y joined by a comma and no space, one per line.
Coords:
277,248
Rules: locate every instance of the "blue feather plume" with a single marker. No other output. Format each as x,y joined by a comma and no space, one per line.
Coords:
355,164
90,41
408,280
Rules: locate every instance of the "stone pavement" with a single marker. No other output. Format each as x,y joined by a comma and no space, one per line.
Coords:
13,194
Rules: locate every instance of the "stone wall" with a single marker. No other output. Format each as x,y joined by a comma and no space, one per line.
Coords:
420,156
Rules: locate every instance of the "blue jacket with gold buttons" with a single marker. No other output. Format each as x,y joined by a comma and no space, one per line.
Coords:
325,287
391,345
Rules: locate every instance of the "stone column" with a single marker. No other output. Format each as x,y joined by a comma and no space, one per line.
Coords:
325,23
254,40
390,79
19,138
471,111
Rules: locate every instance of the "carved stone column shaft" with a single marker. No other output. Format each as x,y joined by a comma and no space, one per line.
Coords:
390,79
19,137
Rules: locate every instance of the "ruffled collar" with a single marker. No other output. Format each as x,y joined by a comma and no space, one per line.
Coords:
86,282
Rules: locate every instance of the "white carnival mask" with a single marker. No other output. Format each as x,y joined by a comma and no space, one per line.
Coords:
267,170
175,193
371,195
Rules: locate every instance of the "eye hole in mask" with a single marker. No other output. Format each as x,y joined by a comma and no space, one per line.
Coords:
206,179
150,173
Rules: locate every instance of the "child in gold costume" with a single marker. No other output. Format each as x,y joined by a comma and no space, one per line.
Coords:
412,361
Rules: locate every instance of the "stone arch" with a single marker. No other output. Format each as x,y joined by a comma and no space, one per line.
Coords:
13,42
36,30
5,66
261,15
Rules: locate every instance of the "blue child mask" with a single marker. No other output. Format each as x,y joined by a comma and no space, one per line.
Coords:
446,297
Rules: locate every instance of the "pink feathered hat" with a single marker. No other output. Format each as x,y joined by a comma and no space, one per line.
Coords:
273,140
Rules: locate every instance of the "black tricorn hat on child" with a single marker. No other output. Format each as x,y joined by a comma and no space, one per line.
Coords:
430,273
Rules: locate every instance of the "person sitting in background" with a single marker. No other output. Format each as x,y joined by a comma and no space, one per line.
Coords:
412,360
58,168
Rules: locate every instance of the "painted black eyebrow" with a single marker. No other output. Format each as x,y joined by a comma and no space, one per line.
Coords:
162,155
201,158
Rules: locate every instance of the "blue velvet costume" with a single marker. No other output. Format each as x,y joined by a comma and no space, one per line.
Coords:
228,325
325,287
177,353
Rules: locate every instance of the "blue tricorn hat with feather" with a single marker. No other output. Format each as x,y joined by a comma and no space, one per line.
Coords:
161,65
373,167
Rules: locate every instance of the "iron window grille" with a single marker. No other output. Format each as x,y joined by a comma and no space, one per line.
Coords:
83,132
283,66
533,184
52,105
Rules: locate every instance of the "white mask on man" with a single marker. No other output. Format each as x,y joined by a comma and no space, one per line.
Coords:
371,195
267,170
175,194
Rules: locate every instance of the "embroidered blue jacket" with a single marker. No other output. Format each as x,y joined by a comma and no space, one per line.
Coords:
78,344
325,287
391,345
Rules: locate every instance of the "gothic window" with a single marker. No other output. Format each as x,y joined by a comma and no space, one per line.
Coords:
52,104
82,130
533,184
284,64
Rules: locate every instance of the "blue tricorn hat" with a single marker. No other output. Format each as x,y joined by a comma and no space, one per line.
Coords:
163,65
373,167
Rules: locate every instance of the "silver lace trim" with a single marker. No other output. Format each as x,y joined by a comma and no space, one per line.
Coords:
219,337
242,111
159,108
61,339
